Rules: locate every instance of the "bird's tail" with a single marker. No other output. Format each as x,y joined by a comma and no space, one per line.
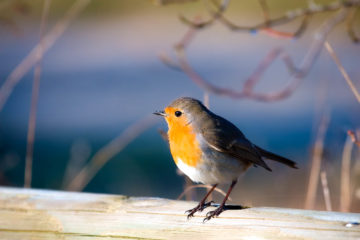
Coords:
274,157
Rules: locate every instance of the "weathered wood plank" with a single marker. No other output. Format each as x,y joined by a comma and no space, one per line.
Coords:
42,214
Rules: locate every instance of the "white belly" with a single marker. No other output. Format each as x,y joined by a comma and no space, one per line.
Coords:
191,172
220,171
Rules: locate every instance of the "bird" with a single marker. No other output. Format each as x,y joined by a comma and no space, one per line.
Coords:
210,149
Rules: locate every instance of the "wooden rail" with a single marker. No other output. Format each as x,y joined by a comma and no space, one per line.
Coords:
42,214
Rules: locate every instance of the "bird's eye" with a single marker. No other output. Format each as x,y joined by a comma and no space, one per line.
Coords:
178,113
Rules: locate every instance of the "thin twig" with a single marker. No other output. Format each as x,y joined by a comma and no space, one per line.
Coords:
220,8
265,10
169,62
342,70
48,41
281,34
109,151
326,191
79,154
289,16
345,188
34,99
201,186
297,74
316,163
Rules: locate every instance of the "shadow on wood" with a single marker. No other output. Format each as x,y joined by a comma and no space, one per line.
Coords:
42,214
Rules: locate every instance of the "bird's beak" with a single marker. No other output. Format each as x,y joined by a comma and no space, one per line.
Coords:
160,113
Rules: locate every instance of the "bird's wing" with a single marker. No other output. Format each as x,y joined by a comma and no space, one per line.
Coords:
223,136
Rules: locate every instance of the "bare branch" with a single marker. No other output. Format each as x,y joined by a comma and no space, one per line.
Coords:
109,151
169,62
296,74
34,99
31,59
342,70
345,188
326,191
267,25
289,16
265,9
281,34
79,154
275,33
220,8
316,163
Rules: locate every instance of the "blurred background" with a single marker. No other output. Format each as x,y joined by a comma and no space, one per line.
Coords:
104,74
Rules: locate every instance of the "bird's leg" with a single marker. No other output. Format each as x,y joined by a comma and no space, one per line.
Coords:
202,204
221,208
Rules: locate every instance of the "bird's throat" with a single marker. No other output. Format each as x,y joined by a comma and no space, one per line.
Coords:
184,144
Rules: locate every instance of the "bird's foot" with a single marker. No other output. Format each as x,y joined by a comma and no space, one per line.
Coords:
222,208
199,208
214,213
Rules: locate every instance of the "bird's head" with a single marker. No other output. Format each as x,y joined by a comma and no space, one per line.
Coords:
182,112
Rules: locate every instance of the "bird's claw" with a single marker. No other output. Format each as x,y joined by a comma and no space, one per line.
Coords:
214,213
198,208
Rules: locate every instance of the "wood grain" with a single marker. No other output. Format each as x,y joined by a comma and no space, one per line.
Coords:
43,214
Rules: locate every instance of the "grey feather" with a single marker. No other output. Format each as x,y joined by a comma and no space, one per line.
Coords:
223,136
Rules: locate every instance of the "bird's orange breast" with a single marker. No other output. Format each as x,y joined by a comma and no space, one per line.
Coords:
183,143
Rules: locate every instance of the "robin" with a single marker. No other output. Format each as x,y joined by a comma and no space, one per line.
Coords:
211,150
